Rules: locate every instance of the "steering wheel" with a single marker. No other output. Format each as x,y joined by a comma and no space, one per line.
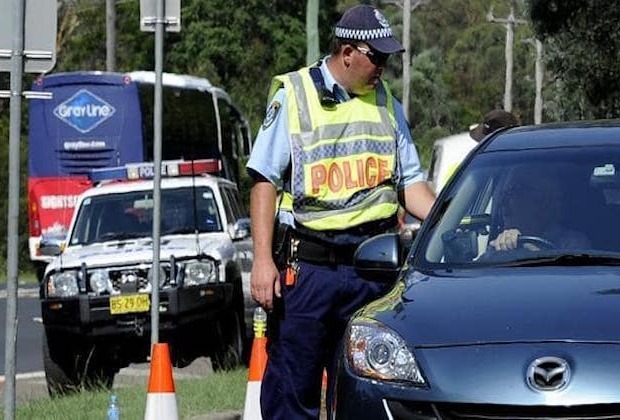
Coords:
537,241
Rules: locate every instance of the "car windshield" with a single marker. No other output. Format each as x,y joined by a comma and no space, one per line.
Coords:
130,215
555,206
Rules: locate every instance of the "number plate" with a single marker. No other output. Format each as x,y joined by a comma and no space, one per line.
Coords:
129,303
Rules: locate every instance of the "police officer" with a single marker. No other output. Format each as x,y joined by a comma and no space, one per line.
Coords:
332,158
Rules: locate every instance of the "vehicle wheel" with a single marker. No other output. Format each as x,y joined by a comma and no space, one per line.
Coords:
229,351
93,373
73,368
57,365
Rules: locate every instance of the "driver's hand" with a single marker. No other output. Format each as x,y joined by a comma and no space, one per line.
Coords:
506,240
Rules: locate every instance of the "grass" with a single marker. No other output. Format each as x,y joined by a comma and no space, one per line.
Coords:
218,392
24,277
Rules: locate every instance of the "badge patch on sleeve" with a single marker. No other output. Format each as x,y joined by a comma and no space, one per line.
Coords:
272,113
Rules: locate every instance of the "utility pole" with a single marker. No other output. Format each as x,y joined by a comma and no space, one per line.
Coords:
408,6
110,22
538,75
510,23
538,102
312,31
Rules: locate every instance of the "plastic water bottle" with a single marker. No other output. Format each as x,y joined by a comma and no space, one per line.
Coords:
114,412
260,322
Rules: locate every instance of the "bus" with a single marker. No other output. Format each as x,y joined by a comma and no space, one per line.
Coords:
98,119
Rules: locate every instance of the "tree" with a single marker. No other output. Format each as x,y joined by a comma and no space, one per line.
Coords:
582,47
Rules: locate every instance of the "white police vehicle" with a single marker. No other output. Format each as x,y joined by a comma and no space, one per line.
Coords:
96,293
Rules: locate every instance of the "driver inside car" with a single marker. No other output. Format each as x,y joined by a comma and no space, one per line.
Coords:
531,209
175,215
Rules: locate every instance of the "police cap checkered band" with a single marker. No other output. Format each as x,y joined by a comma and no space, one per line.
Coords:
362,34
366,23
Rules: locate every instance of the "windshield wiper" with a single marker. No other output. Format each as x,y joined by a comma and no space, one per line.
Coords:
118,236
180,231
576,259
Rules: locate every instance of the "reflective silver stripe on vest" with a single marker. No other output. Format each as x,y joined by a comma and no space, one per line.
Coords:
333,131
384,195
305,121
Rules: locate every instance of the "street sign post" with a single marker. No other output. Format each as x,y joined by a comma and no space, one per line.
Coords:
158,16
27,44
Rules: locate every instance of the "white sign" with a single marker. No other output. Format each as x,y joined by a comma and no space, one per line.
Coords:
171,18
39,35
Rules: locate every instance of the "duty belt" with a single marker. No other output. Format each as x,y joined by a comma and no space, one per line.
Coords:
325,254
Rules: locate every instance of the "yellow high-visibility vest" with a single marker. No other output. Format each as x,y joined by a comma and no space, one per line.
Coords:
343,156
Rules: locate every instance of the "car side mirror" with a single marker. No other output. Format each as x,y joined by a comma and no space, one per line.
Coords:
241,229
51,246
379,258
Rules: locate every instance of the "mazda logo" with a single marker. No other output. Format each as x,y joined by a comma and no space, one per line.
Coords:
548,374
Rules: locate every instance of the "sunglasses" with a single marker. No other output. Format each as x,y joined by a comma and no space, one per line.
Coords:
377,58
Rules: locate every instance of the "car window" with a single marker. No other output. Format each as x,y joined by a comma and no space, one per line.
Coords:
561,202
232,203
130,215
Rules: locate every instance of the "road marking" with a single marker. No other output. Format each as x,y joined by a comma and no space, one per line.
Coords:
22,292
29,375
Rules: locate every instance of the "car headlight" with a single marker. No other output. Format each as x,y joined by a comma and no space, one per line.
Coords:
100,281
162,276
63,284
377,352
200,272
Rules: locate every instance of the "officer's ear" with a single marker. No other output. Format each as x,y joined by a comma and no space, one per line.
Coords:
347,51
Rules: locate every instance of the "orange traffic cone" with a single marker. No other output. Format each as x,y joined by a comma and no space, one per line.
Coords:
258,362
161,402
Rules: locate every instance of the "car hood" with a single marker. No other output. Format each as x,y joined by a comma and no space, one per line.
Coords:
140,250
509,305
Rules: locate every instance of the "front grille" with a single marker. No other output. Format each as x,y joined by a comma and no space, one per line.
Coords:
128,280
134,278
428,411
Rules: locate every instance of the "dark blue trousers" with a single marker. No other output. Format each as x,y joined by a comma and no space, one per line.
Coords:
303,332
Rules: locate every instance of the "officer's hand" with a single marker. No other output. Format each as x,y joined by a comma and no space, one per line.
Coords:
506,240
265,282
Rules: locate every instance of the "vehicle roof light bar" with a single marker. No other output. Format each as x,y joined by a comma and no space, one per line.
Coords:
171,168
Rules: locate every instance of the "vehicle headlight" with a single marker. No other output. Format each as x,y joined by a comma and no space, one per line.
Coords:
377,352
63,284
162,276
200,272
100,281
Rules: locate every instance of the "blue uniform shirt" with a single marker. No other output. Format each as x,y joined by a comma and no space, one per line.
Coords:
271,152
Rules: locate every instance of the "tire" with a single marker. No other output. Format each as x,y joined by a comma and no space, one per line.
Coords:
229,349
57,366
94,373
72,368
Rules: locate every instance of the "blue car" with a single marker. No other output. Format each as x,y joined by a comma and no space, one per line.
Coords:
508,303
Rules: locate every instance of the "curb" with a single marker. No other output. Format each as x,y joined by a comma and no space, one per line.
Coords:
229,415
